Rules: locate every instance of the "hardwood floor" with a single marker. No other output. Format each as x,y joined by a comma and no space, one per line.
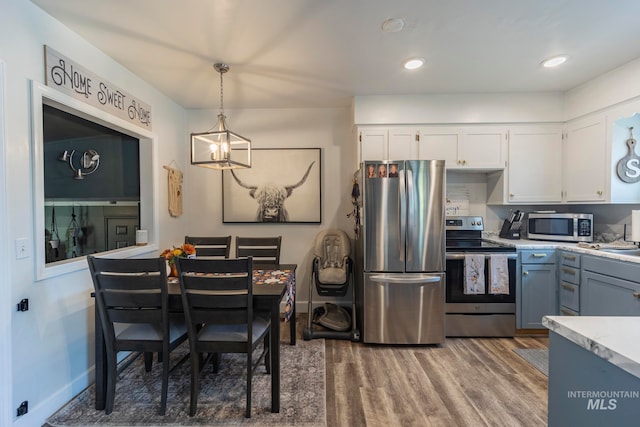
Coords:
465,382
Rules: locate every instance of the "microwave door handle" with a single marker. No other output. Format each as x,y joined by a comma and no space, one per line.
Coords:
402,202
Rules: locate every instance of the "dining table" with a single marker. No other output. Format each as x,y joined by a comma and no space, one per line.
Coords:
271,283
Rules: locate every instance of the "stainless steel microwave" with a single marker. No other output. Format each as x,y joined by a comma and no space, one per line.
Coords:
564,227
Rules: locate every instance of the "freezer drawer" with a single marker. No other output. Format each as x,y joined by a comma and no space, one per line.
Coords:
403,308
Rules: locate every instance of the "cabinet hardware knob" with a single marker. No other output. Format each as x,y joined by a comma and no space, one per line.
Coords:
567,287
525,273
569,257
599,192
636,295
511,195
569,271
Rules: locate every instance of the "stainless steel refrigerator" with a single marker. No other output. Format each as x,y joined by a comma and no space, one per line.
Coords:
401,252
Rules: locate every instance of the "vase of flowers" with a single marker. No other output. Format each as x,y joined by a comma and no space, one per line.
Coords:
185,251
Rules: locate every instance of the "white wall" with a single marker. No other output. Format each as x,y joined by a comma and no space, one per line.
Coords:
614,87
459,108
328,129
52,343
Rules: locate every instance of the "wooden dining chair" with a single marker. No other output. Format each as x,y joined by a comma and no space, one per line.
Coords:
217,296
264,250
210,247
132,301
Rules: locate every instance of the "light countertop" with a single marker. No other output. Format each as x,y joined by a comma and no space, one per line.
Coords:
539,244
614,339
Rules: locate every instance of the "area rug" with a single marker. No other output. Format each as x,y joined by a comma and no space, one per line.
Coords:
538,357
222,396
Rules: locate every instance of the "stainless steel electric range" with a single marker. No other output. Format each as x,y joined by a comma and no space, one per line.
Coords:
484,314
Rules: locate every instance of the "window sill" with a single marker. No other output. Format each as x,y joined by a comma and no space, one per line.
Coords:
59,268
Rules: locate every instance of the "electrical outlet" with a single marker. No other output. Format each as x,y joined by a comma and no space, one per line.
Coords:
22,248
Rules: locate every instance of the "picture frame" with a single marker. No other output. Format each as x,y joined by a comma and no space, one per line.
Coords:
283,185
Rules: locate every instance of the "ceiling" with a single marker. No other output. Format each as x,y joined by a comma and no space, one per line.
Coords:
321,53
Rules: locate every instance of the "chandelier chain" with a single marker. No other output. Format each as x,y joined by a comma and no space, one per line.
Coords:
221,93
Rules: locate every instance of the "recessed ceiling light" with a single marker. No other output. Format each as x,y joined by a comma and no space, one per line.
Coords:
414,63
393,25
554,61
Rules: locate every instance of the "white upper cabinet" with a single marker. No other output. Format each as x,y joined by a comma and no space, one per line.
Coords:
483,148
373,144
464,147
439,143
585,160
403,144
535,165
388,143
467,147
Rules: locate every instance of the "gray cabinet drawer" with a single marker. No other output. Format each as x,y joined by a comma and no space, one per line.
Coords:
570,259
564,311
569,274
542,256
609,267
570,296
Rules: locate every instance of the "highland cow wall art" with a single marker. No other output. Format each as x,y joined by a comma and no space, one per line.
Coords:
282,186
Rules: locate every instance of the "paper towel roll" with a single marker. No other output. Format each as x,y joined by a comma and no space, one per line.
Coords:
142,237
635,226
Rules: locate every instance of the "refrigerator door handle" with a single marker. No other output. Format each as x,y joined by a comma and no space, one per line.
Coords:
403,213
405,279
410,199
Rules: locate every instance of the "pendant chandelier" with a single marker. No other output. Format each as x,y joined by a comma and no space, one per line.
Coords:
220,149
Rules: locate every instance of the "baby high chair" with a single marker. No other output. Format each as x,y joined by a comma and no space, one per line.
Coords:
332,273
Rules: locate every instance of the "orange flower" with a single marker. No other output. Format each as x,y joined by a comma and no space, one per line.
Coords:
182,252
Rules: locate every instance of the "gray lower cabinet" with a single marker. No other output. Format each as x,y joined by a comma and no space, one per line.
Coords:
537,288
576,376
609,287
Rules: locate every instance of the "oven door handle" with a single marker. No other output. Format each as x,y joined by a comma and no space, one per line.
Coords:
460,255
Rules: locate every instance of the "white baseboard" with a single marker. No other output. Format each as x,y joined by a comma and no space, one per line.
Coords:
38,415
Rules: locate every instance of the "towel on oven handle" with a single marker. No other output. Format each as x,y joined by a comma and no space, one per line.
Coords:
474,274
499,275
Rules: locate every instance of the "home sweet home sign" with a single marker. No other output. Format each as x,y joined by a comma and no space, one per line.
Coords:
83,85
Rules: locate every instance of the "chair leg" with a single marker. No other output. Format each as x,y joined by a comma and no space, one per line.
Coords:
165,385
195,382
148,361
267,353
215,361
249,369
112,374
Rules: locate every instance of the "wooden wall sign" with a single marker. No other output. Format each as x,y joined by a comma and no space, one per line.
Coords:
629,166
83,85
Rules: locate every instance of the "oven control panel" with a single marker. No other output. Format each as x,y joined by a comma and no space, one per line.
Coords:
464,223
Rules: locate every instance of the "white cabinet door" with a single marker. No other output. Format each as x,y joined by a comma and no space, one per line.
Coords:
388,144
439,143
483,148
373,144
402,144
535,165
585,161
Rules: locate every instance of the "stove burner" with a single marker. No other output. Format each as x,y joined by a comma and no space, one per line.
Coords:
464,234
